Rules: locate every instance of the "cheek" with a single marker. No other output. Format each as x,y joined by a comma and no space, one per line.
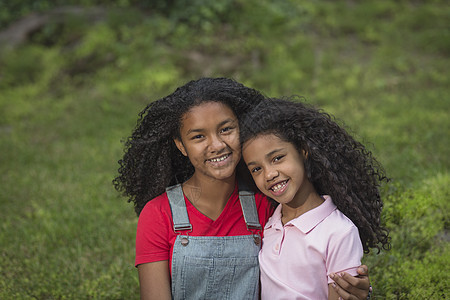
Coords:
299,172
258,181
234,143
195,151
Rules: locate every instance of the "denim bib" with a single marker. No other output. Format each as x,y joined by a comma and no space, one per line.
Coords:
214,267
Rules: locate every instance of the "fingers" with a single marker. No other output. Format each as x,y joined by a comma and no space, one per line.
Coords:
343,294
363,270
358,283
349,287
348,282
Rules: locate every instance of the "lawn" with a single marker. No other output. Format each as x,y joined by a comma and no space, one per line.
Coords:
71,92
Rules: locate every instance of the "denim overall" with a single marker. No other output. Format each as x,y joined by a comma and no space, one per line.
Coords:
214,267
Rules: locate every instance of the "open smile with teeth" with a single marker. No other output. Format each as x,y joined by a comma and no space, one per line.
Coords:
218,159
278,186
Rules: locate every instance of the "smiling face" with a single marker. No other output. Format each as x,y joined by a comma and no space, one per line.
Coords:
277,169
210,138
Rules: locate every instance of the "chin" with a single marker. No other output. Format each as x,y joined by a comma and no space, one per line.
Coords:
224,174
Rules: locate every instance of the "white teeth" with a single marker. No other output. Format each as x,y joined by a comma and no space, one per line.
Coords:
220,158
279,186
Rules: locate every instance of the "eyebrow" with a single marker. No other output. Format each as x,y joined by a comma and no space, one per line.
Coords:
267,155
219,125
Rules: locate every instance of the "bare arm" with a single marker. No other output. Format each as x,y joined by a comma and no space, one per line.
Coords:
154,280
349,287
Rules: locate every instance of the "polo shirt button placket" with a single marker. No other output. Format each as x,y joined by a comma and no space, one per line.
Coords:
276,249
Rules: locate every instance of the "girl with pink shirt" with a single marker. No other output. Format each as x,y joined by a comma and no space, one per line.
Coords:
328,187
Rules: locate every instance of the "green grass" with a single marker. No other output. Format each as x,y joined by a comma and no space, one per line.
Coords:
71,94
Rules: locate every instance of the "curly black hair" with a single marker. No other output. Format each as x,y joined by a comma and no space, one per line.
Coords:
151,161
336,164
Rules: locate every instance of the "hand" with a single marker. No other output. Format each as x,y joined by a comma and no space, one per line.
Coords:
353,288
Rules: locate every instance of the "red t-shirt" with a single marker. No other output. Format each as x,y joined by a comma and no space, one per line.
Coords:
155,236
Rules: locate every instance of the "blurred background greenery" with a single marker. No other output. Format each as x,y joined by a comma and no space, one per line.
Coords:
75,74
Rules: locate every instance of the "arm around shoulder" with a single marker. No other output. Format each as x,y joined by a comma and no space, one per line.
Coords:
349,287
154,280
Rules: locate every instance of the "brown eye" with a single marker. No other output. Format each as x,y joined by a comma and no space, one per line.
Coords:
256,169
277,158
226,129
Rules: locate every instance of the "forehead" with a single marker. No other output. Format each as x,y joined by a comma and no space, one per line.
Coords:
268,139
207,114
263,144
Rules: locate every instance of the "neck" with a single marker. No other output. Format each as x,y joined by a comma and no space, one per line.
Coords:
209,195
304,201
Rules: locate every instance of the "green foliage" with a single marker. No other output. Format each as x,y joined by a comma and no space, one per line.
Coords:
73,91
418,220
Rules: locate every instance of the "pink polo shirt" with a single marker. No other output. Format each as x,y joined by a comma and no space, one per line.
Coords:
296,258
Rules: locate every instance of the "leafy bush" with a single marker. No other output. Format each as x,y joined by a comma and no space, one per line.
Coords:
418,220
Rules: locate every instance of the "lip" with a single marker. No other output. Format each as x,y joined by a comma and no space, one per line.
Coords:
220,160
281,190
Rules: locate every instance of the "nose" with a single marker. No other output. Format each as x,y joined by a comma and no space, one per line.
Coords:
271,173
216,143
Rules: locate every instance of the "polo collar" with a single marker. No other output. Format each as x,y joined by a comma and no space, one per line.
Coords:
306,222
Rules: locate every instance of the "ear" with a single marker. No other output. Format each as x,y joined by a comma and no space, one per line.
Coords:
180,146
305,154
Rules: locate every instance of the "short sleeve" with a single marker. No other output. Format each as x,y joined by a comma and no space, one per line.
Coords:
344,253
152,235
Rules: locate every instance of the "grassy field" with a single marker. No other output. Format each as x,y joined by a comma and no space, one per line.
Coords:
72,92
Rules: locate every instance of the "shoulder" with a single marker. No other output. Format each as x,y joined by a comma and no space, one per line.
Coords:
344,247
340,229
157,202
155,208
341,222
334,220
155,219
154,233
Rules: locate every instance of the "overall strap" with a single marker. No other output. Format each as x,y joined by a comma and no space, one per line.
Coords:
178,207
247,199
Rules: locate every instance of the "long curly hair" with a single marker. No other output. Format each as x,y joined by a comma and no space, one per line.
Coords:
336,164
151,161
